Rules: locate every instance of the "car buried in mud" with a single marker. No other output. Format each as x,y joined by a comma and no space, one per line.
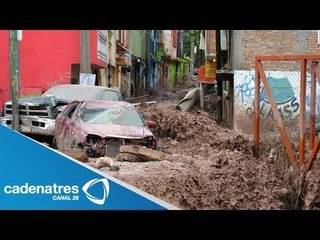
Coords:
99,128
37,113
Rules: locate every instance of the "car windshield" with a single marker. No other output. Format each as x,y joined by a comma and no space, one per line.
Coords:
81,93
112,115
110,95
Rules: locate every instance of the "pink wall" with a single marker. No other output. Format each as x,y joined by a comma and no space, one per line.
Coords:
4,66
45,59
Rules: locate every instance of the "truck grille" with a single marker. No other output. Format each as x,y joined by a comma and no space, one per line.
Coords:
112,148
41,110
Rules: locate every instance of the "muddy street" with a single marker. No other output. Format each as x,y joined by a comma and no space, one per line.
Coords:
206,166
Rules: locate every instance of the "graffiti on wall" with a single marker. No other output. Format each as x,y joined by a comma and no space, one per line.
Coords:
285,88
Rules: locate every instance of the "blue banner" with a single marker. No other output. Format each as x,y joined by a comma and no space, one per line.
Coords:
36,177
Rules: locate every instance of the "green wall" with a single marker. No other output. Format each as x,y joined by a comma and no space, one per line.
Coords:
180,71
138,43
172,74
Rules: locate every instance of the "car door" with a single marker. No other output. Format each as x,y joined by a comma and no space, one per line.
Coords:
73,127
64,126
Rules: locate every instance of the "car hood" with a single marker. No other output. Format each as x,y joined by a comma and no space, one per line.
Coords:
37,101
40,100
119,131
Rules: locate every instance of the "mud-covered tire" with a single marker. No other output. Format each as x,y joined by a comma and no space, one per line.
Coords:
54,143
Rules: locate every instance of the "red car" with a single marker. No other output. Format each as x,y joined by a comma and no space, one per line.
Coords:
101,127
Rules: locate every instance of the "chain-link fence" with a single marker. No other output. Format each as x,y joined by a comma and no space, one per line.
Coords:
283,83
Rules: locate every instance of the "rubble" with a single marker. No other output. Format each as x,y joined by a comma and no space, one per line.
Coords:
102,163
140,153
77,154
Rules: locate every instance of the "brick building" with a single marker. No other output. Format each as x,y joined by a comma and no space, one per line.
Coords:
283,77
249,43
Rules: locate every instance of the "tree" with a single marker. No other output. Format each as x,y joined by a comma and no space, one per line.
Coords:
195,35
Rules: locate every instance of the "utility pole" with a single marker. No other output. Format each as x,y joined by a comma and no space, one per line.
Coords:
14,77
192,52
219,82
85,63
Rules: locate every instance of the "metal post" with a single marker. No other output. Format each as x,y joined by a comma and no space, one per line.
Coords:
202,95
85,63
14,77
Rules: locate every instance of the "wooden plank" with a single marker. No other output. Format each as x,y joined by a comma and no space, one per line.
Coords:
256,119
145,154
313,154
311,57
302,117
288,57
276,114
312,105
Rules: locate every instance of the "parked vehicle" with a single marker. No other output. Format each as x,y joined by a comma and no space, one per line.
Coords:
38,113
101,127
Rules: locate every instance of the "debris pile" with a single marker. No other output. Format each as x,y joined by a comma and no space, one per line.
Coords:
200,128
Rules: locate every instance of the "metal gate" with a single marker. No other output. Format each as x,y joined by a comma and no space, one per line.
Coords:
287,106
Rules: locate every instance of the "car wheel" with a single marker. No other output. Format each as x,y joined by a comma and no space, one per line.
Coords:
54,143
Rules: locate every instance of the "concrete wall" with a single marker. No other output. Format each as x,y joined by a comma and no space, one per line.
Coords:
168,39
237,49
285,87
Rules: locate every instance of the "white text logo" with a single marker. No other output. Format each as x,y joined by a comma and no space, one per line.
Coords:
94,199
41,189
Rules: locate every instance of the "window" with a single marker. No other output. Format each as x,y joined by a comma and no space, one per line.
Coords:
102,45
70,111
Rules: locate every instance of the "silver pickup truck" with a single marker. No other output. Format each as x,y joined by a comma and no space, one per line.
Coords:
37,114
